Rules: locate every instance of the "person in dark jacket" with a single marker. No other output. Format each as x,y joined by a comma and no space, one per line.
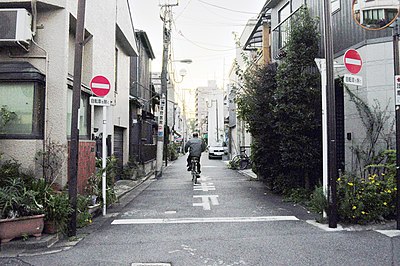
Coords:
195,146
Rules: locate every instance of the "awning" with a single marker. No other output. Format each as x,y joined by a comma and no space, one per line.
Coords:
20,71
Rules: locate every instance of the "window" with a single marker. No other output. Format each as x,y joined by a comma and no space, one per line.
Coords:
22,110
335,5
84,114
283,15
284,12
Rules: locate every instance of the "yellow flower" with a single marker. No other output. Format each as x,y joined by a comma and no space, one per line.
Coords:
363,212
389,191
338,179
354,207
385,203
350,184
371,178
395,189
383,174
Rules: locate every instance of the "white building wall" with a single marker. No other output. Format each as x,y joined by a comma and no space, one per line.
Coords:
99,59
378,87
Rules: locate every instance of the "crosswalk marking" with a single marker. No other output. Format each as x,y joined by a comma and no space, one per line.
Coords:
205,220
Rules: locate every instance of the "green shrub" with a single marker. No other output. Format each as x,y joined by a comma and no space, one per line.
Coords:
83,217
363,201
318,202
173,151
297,195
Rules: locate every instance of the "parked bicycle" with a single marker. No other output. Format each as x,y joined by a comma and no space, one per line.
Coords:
241,161
195,168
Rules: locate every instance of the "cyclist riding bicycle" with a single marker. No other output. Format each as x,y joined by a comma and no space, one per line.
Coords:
195,146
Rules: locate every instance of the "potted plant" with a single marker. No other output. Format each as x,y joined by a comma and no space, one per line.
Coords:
20,212
92,188
57,210
55,205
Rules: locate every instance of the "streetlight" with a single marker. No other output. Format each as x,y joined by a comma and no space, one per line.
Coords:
166,138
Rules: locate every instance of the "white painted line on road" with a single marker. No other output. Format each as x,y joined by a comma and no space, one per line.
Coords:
204,187
389,233
206,220
205,201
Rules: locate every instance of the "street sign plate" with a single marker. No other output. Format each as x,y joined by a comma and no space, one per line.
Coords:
397,88
352,61
353,79
97,101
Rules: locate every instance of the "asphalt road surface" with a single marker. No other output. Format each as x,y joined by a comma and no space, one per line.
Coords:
226,219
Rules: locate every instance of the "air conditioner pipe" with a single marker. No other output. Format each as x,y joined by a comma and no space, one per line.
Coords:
34,17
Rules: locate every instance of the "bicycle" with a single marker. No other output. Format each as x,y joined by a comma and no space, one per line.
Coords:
241,161
195,168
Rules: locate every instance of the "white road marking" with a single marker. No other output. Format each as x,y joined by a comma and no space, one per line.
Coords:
204,187
205,178
206,199
205,220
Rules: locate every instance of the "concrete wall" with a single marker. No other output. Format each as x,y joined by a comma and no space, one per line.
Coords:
377,89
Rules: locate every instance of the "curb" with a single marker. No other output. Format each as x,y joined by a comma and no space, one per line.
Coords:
50,244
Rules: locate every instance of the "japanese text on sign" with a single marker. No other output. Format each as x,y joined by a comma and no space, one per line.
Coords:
353,80
99,101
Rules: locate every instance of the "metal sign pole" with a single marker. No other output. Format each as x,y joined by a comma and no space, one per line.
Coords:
104,160
331,116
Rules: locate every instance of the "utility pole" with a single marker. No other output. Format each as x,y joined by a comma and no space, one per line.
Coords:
162,140
397,115
331,115
76,98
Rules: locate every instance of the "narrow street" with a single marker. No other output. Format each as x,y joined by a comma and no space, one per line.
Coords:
225,220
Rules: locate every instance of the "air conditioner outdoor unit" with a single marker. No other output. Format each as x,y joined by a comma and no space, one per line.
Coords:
15,27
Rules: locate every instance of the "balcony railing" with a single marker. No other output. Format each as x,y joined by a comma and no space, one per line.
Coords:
280,35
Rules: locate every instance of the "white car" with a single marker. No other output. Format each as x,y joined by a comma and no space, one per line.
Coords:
215,152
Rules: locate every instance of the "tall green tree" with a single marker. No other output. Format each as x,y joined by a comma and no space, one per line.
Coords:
282,107
297,108
255,105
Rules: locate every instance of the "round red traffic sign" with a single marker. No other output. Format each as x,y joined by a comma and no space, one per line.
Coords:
352,61
100,86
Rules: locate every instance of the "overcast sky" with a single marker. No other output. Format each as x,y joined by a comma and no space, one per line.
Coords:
202,31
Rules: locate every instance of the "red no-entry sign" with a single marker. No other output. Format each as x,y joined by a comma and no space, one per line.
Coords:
100,86
352,61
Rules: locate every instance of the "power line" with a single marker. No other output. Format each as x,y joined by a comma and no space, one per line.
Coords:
184,9
202,47
228,9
